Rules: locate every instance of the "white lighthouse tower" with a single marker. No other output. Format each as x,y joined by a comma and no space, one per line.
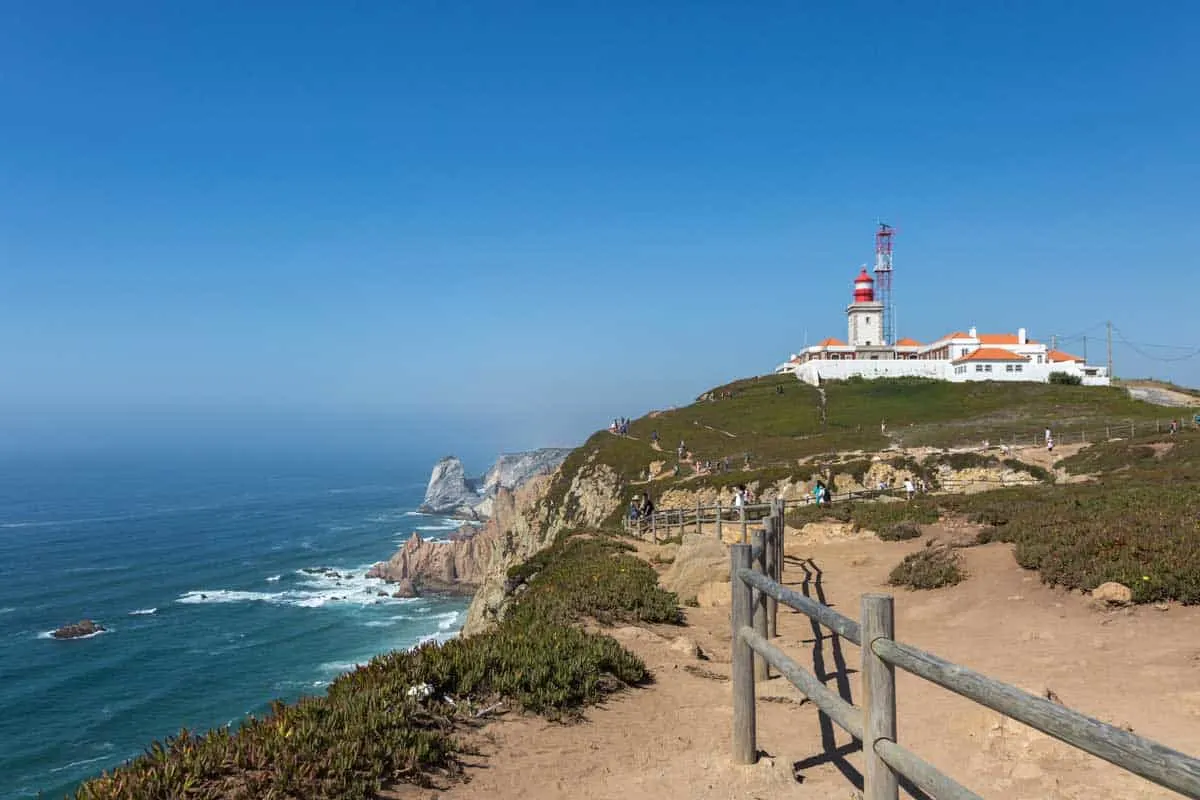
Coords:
865,315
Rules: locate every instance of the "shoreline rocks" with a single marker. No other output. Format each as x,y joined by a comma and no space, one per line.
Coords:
78,630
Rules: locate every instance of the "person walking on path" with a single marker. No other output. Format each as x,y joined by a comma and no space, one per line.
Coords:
909,488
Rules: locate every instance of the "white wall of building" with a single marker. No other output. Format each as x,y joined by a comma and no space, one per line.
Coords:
865,323
815,371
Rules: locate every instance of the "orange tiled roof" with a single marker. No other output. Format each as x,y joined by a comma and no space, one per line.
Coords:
955,335
1059,356
1002,338
906,342
831,342
991,354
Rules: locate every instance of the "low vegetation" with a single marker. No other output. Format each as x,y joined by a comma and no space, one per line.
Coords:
900,532
929,568
394,719
771,428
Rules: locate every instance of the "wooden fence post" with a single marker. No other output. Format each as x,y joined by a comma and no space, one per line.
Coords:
742,516
719,520
745,747
654,526
699,519
771,552
761,671
879,697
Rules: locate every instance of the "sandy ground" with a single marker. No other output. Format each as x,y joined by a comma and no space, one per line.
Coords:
1138,668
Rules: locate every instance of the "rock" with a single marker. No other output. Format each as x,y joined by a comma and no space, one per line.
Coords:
381,594
1112,594
449,489
1161,606
451,492
405,588
688,647
82,628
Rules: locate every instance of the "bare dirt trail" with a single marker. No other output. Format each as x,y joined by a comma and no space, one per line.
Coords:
1138,668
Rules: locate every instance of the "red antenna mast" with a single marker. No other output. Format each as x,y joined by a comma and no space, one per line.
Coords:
883,279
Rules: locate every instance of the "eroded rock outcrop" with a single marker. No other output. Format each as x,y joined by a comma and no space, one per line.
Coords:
453,493
454,567
78,630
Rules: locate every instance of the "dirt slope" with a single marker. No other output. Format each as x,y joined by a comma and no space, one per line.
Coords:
1139,668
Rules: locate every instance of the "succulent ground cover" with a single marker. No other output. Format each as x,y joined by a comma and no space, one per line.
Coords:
395,718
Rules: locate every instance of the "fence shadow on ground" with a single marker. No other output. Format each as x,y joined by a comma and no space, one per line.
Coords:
812,587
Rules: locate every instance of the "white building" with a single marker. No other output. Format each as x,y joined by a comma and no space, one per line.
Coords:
957,356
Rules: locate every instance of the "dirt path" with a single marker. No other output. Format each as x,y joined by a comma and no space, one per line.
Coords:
1138,668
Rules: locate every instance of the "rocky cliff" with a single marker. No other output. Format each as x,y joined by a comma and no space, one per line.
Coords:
451,492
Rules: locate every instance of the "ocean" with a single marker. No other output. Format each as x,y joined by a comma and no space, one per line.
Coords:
223,583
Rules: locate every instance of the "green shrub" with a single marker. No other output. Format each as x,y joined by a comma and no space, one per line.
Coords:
1065,379
369,729
900,532
876,516
1033,470
931,568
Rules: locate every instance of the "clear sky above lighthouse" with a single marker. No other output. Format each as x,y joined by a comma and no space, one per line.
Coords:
529,218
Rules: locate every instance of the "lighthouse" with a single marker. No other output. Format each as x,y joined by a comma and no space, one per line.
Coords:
865,315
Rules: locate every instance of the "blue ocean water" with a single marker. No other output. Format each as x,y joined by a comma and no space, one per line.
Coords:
205,574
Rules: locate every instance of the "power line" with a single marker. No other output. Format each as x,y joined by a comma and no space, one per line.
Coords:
1136,347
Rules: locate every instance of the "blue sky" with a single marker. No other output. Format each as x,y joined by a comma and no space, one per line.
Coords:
509,222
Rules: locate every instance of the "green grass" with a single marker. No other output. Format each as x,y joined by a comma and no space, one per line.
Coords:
368,731
783,433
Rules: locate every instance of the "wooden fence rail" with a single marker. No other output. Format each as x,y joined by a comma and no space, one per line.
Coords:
874,723
666,520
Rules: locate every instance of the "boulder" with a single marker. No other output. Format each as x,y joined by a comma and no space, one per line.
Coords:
1112,594
405,588
688,647
79,629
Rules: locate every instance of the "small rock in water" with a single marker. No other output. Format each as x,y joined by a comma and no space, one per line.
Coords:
82,628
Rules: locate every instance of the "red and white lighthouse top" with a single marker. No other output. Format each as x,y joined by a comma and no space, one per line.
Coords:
864,288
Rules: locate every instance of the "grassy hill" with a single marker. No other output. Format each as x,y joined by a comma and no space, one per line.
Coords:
777,421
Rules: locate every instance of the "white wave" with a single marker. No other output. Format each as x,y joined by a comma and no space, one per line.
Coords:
80,763
447,525
344,586
447,621
226,596
142,612
379,623
338,666
273,578
7,609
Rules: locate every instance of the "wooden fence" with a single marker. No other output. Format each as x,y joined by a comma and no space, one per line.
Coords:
676,521
756,574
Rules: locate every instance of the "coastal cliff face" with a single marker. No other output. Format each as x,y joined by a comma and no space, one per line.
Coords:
454,567
451,492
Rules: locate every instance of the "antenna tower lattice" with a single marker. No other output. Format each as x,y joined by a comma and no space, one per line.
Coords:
883,279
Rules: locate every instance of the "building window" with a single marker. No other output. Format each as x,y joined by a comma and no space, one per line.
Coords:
1008,367
1017,368
987,368
979,367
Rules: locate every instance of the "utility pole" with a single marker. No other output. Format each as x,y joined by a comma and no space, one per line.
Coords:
1110,368
1085,349
1054,341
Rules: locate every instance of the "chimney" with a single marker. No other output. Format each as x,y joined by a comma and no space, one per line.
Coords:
971,332
1021,336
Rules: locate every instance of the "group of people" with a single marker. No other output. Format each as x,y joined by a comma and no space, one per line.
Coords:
640,510
619,426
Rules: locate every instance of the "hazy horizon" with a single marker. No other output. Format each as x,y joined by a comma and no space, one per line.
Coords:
497,228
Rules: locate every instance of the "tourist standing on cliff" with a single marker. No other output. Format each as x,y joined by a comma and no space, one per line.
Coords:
909,488
647,505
